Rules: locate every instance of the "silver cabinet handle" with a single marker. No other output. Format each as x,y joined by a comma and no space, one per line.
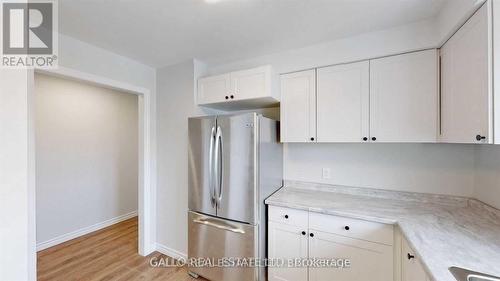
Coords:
211,176
220,226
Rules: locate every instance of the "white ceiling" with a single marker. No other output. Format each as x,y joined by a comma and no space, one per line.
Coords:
163,32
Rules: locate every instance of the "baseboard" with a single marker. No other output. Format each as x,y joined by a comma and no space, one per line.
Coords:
170,252
80,232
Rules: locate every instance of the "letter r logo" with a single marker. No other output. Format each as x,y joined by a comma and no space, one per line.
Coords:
27,28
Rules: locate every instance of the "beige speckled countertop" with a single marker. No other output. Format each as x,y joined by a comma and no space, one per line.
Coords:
444,231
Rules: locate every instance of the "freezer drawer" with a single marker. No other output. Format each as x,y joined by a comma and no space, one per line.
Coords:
215,238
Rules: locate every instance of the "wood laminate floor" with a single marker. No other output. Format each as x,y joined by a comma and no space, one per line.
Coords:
107,254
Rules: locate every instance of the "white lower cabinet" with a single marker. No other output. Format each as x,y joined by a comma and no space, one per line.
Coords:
287,242
294,234
411,268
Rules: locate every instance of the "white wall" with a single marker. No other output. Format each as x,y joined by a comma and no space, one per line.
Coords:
487,180
395,40
82,56
428,168
429,33
17,240
86,155
175,103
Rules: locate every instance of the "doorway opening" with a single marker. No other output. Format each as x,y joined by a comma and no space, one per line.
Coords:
100,158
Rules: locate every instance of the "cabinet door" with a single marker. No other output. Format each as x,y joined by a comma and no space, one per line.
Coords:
368,261
465,76
298,106
411,269
251,83
404,97
213,89
343,103
287,242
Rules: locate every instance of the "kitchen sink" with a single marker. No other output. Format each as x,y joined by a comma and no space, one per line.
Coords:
462,274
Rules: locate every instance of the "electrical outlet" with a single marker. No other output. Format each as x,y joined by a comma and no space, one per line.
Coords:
326,173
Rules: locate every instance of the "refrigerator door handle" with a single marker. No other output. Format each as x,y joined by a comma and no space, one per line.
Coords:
211,176
226,227
219,164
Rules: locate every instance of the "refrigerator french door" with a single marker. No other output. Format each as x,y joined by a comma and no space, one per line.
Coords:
235,162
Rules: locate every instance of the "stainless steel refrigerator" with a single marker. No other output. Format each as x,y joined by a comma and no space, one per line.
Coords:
235,162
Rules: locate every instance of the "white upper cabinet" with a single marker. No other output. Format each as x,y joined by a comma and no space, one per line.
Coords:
404,97
391,99
214,89
466,99
245,89
251,83
343,101
298,106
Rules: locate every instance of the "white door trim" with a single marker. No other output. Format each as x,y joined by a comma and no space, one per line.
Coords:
146,182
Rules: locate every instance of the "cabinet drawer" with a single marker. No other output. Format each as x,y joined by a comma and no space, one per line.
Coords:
288,216
369,261
354,228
